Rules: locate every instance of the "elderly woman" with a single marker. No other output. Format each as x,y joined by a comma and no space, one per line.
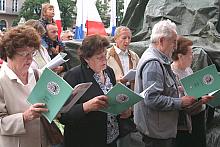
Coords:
41,57
85,125
20,122
191,126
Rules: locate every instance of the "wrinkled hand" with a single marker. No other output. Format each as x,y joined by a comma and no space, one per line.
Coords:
34,112
123,81
206,98
58,69
56,50
95,104
126,113
187,101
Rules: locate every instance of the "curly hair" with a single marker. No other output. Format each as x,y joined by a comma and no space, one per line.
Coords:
92,45
19,37
37,25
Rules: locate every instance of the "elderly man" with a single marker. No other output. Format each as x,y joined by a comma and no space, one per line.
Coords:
66,35
53,45
157,115
121,60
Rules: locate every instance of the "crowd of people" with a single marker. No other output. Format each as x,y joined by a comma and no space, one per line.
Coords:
160,120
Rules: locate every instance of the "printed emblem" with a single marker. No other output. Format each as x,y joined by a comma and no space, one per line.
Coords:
121,98
208,79
53,88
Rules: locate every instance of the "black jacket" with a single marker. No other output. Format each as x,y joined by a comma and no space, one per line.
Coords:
85,129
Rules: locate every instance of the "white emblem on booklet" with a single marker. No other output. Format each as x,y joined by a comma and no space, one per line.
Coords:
121,98
208,79
53,88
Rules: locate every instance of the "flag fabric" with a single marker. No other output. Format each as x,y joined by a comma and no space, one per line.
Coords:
88,20
113,17
57,17
80,19
94,23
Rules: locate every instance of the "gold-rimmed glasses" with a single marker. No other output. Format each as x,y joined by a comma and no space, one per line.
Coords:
26,53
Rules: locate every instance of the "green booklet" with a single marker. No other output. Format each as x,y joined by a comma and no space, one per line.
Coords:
215,102
52,90
201,82
120,98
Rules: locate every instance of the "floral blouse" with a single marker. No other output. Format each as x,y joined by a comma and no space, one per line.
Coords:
112,123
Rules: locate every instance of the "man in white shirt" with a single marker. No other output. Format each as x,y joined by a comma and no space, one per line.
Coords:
121,59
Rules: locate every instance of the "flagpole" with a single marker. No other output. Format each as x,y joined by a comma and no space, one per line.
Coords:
57,17
113,17
80,20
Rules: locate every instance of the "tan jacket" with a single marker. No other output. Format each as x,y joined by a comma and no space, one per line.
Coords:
114,62
13,96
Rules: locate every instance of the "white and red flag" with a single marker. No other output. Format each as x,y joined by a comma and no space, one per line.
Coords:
81,16
94,23
113,17
57,17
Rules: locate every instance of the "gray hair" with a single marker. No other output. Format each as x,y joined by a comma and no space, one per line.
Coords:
163,28
64,32
37,25
119,29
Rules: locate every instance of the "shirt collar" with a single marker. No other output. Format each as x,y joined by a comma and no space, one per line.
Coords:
118,50
165,58
12,76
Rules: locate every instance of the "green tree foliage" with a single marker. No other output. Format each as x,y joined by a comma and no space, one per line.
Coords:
31,9
68,12
119,11
103,10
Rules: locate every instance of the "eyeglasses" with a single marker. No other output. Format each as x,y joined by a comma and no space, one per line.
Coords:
26,53
101,56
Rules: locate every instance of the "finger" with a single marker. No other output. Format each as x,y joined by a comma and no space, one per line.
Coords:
37,105
210,97
40,110
102,104
102,98
192,97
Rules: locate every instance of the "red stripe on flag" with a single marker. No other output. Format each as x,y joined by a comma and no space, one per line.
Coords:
94,27
59,26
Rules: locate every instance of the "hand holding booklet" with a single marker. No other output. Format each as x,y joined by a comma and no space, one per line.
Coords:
52,90
201,82
215,102
130,75
120,98
56,61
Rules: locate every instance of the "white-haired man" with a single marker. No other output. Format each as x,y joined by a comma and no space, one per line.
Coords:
156,116
66,35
